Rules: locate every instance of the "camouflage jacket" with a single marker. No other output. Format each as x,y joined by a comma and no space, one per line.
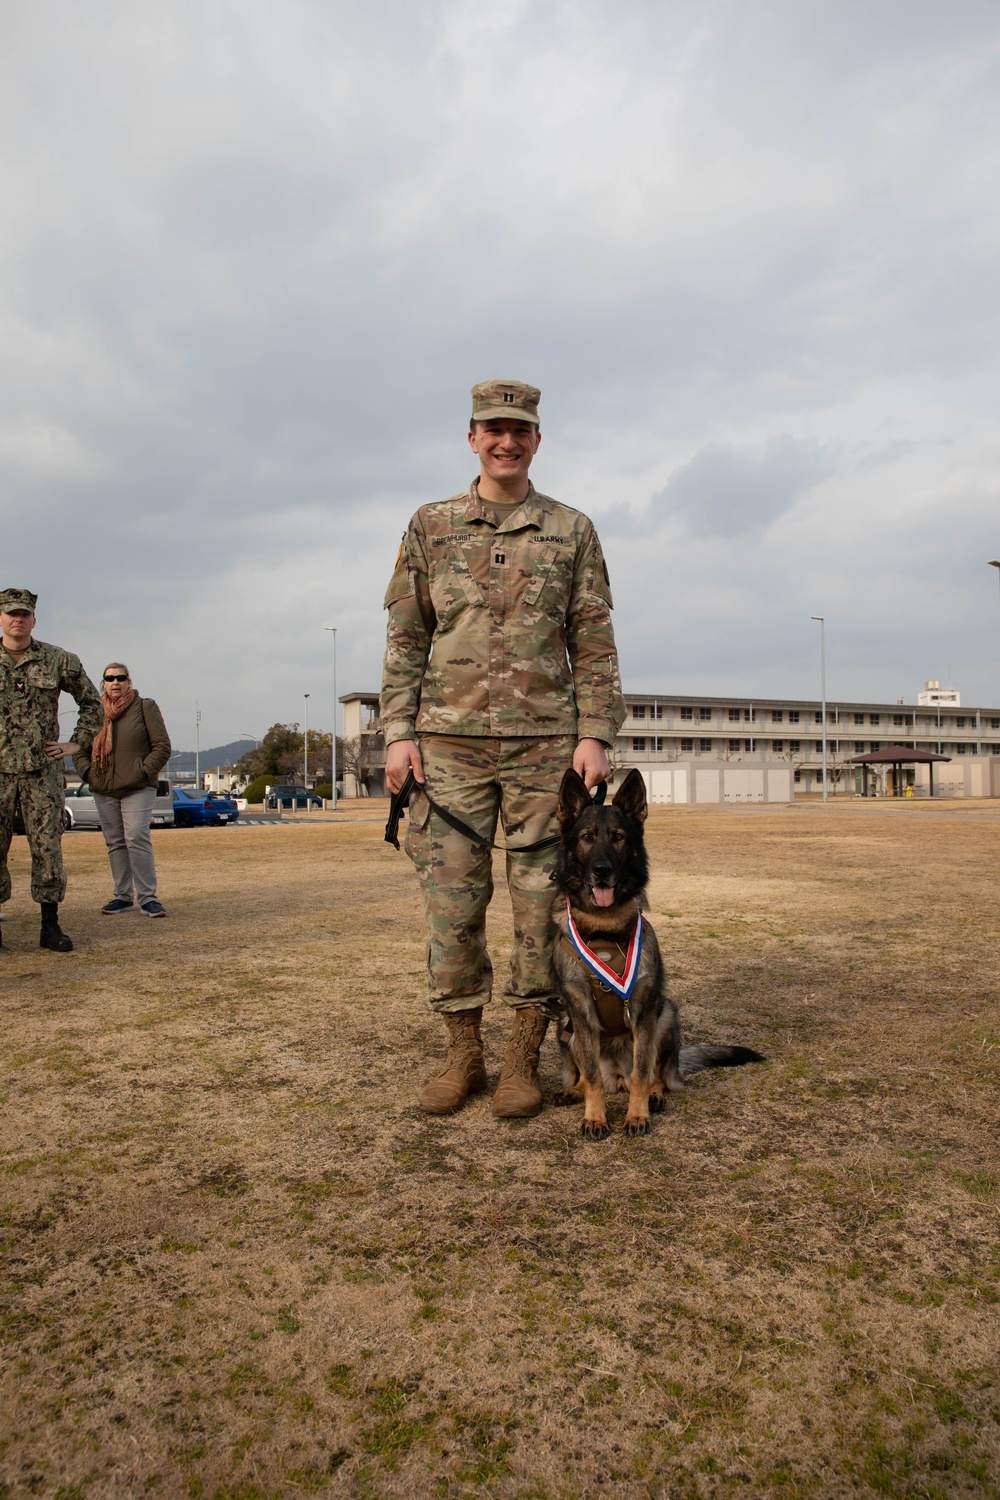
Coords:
500,629
29,706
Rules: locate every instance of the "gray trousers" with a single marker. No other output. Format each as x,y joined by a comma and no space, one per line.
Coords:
125,825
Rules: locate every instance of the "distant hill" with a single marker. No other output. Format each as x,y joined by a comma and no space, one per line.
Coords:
218,755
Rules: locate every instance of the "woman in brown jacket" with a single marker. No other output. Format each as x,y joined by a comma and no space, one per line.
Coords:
128,753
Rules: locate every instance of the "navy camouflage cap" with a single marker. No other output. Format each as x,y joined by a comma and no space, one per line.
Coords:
12,600
492,400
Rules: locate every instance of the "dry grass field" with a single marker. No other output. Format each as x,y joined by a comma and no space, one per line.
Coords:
237,1262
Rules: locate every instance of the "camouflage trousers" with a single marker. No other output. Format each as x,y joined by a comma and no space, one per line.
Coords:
479,781
40,794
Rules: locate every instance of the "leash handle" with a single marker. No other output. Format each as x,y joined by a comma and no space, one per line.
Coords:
396,806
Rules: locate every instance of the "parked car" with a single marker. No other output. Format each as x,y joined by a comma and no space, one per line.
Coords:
194,808
300,796
81,809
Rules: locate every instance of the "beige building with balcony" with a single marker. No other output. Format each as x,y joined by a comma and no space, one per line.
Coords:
765,734
729,749
363,745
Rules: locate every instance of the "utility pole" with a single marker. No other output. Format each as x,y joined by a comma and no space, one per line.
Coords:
305,742
197,744
822,686
333,742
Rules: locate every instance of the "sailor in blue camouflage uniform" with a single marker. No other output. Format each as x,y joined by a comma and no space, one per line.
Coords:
32,675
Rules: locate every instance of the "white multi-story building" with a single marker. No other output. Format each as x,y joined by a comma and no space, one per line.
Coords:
768,732
715,740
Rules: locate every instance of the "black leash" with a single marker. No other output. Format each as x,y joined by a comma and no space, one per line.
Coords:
402,798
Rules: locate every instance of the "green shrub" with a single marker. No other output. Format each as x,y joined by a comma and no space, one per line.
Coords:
326,790
255,791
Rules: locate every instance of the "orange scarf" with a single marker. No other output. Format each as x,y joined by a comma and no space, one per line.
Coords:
101,748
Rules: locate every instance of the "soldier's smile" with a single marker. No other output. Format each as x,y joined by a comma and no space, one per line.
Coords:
505,448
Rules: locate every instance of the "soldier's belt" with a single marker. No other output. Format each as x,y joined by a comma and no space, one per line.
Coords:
482,846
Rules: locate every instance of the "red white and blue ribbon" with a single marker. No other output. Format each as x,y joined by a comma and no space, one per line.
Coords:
622,984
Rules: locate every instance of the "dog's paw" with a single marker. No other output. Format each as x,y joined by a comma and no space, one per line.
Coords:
595,1130
657,1103
562,1099
637,1127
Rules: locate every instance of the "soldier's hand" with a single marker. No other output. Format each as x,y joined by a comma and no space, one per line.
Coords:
56,748
590,760
400,757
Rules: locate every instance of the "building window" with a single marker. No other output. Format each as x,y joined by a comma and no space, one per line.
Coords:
638,743
874,720
874,746
819,718
749,715
704,746
995,749
656,710
705,715
960,722
659,744
859,718
734,746
898,720
687,746
777,716
798,777
795,746
749,744
995,723
793,716
638,710
963,749
859,747
778,747
687,713
734,716
819,744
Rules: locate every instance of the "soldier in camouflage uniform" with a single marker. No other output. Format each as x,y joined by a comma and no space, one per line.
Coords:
500,671
32,675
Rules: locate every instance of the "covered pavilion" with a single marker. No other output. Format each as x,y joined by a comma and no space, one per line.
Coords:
896,756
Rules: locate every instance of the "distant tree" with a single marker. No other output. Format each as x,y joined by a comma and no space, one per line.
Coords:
266,759
360,757
255,790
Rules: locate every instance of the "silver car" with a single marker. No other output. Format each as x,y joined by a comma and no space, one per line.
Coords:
81,809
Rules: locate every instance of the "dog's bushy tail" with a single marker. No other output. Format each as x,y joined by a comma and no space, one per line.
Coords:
693,1059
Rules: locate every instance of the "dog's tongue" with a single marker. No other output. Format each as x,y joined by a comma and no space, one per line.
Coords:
604,895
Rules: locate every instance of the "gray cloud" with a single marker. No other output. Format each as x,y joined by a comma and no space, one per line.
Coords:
257,256
726,491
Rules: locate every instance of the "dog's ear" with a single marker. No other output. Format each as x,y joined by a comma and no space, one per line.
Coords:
573,797
630,797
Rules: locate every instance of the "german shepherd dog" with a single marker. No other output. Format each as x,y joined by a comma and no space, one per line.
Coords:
604,947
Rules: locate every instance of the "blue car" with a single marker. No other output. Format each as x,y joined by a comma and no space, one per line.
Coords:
297,796
193,808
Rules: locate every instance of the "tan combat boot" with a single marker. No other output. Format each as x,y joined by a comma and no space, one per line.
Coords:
518,1094
464,1072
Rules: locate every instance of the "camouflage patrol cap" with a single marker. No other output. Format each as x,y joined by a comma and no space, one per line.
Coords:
12,600
496,399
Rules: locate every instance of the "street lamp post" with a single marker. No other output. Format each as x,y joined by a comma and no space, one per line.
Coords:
821,619
333,741
197,744
305,741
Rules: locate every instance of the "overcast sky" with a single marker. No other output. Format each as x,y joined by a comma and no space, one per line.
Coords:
255,254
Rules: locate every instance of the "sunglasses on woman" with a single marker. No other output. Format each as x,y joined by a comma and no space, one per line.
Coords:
116,677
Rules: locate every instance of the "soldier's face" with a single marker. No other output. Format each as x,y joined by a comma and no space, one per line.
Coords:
17,626
505,449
